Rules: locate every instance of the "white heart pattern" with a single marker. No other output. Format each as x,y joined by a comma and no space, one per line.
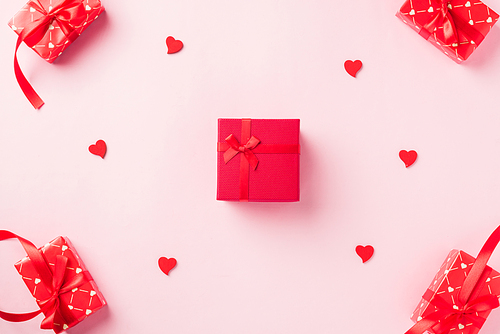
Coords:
14,27
70,307
51,46
88,312
87,7
74,290
412,12
489,19
32,10
37,280
463,265
430,10
467,4
471,22
419,318
450,289
489,279
93,293
460,326
65,327
455,307
78,270
64,247
450,6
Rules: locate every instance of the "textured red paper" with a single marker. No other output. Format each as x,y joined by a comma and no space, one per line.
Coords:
82,301
276,178
54,42
447,284
416,13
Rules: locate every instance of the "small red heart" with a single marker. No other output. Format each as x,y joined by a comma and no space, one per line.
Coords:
166,264
408,157
173,45
364,252
352,67
99,148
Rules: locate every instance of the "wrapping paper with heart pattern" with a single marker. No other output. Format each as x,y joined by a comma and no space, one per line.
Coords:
54,41
416,13
82,301
447,284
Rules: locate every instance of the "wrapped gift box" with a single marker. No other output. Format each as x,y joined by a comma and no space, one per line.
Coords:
52,38
447,284
80,302
472,20
258,160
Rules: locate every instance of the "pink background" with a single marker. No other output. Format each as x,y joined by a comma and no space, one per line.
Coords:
249,267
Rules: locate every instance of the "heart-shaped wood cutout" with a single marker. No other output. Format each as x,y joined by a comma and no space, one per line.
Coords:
173,45
352,67
167,264
99,148
408,157
364,252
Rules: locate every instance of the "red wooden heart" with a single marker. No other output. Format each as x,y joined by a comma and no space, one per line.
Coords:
166,264
408,157
352,67
173,45
364,252
99,148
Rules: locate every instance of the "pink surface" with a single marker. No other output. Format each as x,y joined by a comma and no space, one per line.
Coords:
249,267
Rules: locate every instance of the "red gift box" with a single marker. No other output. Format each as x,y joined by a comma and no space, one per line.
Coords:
456,27
68,296
49,27
258,160
462,294
55,38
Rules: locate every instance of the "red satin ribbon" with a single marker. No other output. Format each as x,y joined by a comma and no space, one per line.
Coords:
252,146
68,14
468,304
54,282
452,24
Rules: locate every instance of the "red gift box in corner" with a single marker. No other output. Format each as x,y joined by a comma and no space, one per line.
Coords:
49,27
456,27
258,160
60,283
462,294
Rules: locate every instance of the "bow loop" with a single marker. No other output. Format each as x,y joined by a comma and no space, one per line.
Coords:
246,150
442,18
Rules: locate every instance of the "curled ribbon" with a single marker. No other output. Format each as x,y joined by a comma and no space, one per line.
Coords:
69,14
444,17
448,315
56,283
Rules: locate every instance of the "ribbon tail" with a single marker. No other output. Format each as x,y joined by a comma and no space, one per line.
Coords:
19,317
26,87
449,30
252,159
48,322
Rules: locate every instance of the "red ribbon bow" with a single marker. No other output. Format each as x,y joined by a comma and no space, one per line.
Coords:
444,17
235,148
449,315
69,14
55,282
